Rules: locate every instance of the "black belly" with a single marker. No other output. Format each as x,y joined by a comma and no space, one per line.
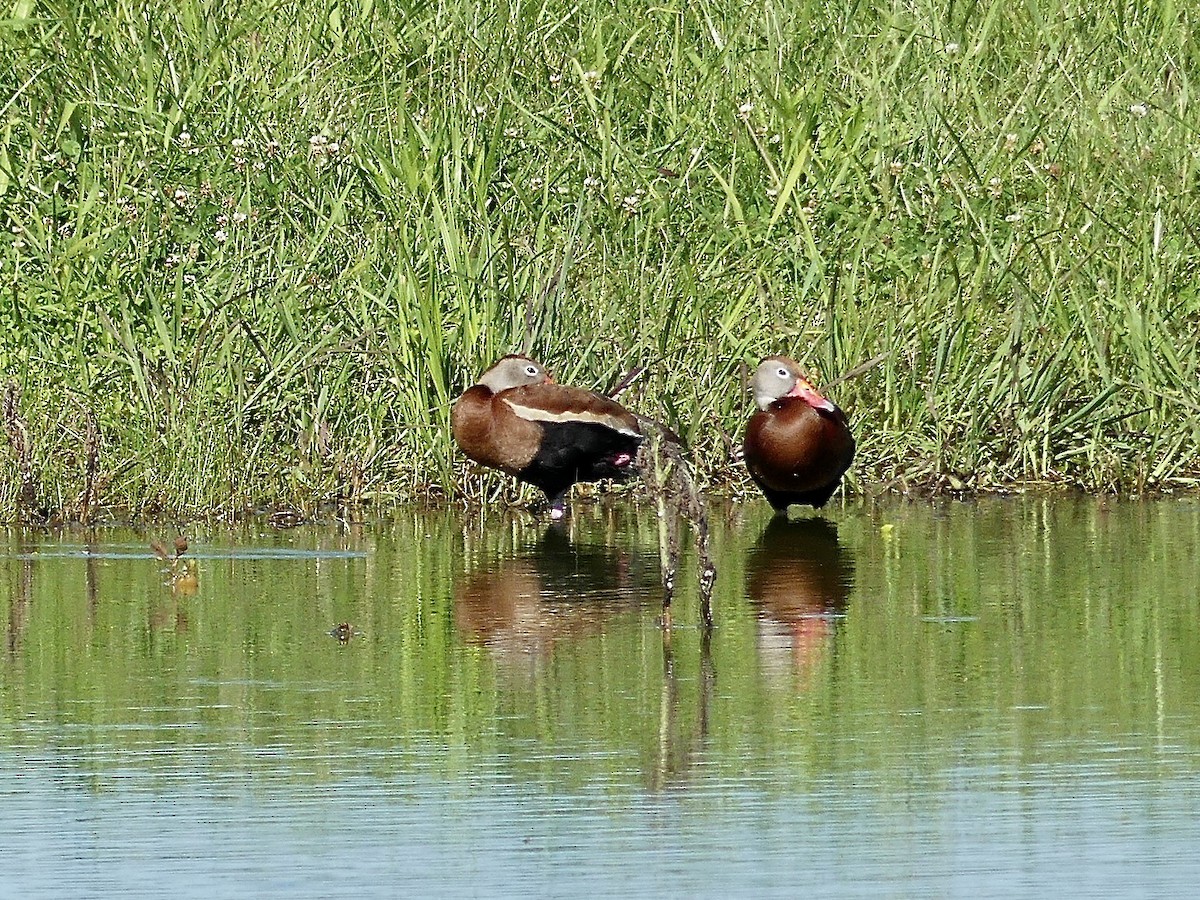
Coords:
578,451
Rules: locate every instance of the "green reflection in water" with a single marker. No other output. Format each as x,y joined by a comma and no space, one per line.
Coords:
901,643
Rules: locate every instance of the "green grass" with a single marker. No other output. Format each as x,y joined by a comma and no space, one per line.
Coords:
267,243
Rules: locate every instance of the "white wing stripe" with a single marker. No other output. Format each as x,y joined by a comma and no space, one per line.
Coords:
534,414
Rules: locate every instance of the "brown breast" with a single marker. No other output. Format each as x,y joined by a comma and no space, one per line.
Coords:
792,447
489,432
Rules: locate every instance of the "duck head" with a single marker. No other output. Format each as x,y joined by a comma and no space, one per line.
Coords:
514,371
777,377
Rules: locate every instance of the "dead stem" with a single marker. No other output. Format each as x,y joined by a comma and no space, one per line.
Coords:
18,436
90,495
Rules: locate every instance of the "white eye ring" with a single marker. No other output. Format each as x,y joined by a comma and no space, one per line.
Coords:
531,370
781,372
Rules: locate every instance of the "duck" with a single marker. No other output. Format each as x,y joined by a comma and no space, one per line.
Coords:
798,443
515,418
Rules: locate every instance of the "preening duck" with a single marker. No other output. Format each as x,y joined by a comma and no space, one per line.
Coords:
517,420
798,444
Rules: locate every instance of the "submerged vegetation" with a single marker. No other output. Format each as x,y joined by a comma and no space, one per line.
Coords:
250,252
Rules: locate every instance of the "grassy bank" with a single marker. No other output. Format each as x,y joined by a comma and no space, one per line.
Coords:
255,249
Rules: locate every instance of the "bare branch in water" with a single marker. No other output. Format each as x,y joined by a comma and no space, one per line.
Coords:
667,474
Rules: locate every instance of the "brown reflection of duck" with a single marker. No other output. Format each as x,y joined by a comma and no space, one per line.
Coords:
522,607
799,577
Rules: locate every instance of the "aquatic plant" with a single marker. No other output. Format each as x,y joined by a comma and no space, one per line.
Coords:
260,247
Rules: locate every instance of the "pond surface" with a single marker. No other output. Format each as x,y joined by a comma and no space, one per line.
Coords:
993,698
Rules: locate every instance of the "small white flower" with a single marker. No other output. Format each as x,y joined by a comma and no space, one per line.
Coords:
220,235
272,148
511,132
745,109
239,217
591,182
630,203
1140,110
238,143
591,76
184,139
952,48
321,147
555,79
181,197
480,109
535,183
1101,284
1013,217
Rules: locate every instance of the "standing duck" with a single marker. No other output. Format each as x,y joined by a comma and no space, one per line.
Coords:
518,420
798,444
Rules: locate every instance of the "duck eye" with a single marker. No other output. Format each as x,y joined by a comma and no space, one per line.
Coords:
531,370
781,372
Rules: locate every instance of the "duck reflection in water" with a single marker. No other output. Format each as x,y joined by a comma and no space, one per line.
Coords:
522,607
798,576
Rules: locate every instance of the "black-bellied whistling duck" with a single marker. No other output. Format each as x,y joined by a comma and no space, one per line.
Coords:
518,420
798,444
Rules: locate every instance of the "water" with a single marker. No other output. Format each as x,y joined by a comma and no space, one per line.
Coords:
998,698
